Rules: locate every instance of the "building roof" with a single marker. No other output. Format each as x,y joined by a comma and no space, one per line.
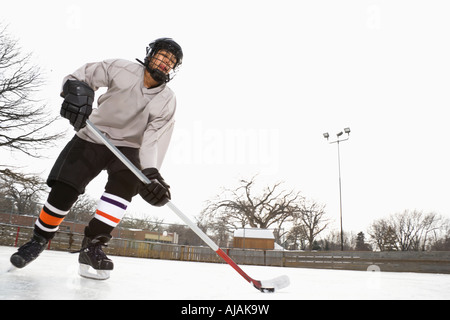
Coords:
254,233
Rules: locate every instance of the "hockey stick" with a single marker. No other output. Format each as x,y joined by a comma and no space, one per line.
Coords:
264,286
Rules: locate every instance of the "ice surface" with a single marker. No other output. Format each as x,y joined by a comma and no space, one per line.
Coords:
54,275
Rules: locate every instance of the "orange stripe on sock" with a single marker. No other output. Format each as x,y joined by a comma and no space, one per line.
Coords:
107,216
50,220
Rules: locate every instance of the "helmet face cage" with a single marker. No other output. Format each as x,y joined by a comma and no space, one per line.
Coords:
170,54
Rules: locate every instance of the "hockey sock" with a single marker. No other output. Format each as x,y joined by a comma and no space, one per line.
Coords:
110,211
96,227
57,206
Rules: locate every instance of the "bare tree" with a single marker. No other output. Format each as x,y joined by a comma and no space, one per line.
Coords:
142,221
332,242
24,192
442,243
297,238
413,228
217,229
23,120
383,235
406,231
310,220
242,206
83,209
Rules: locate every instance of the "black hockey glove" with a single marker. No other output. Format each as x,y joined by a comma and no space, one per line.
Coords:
77,105
157,192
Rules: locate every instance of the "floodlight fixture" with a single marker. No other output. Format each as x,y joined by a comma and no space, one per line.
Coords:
338,141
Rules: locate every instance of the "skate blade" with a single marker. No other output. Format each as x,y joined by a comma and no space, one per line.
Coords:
88,272
11,268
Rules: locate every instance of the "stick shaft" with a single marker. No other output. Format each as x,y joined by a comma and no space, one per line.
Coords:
177,211
117,152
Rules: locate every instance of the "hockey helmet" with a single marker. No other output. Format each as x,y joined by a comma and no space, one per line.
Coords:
166,44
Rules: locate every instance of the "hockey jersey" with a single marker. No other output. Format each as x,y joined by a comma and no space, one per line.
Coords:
129,114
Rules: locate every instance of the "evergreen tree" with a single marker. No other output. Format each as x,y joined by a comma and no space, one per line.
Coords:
361,244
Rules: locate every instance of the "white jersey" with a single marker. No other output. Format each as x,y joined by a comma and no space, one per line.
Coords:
130,114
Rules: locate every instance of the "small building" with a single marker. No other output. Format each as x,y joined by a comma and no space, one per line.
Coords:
254,239
165,237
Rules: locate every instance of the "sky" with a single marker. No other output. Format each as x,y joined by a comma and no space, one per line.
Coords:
261,81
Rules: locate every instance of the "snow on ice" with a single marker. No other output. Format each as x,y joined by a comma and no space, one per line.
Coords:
54,275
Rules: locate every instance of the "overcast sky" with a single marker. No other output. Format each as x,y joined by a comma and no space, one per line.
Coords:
262,81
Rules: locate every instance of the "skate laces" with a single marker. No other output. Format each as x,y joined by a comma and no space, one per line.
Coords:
94,246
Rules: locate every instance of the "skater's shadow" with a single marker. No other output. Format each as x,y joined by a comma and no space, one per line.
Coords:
87,289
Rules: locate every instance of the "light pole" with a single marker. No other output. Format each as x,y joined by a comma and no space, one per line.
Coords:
338,141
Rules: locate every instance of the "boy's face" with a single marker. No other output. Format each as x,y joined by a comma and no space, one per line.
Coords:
163,61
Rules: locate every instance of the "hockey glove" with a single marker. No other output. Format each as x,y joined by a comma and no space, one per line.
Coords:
157,192
77,105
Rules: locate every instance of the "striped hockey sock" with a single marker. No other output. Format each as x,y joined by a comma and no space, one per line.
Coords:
49,220
111,209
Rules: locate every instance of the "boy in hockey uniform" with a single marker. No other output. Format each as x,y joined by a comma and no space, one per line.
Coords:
137,115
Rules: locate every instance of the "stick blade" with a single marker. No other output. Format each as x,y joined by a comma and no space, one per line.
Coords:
274,284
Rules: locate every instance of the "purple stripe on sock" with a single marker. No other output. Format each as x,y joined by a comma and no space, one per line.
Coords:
114,202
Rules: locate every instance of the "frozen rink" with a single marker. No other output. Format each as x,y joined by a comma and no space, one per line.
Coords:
54,276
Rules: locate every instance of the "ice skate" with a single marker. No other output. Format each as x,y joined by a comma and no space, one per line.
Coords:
29,251
94,264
